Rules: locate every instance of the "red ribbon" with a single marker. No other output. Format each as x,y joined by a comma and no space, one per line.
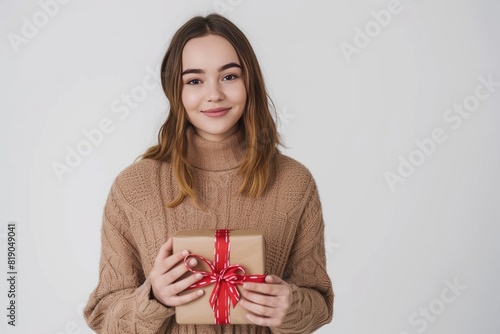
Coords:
225,277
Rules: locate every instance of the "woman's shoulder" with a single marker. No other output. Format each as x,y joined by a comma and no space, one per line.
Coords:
292,173
290,167
293,184
138,172
138,179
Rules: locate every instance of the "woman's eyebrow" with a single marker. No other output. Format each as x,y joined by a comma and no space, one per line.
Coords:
230,65
222,68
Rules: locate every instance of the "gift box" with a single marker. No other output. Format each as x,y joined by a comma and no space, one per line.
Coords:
226,259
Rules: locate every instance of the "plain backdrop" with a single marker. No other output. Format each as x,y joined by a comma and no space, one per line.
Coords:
359,95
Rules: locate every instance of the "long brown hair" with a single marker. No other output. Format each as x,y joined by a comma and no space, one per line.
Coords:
261,135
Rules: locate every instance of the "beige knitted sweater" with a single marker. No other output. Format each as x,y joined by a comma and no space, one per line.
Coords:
136,223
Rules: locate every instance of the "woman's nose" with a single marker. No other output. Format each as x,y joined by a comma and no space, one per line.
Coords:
214,92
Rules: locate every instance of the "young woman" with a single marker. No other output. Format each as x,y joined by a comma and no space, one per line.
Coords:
216,166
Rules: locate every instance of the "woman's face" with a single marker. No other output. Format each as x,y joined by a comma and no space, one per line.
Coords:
213,90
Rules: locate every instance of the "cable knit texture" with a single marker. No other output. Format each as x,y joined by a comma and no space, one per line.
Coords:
136,222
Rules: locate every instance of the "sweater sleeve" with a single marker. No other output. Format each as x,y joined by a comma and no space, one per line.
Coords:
306,272
121,301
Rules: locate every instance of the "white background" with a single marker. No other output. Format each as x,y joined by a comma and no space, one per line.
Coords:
390,251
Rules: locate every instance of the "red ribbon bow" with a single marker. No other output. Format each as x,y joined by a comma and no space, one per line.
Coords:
224,276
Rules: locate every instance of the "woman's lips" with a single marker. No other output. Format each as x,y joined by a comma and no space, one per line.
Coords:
216,112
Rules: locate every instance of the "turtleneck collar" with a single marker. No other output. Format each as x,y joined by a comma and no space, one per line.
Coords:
215,156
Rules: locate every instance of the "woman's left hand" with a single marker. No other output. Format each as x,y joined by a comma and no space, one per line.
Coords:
268,302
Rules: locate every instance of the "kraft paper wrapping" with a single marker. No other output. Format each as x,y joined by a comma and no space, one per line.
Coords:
246,249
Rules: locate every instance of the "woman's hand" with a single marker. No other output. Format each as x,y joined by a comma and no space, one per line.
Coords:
166,271
268,302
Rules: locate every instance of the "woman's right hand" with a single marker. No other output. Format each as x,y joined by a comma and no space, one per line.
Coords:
165,273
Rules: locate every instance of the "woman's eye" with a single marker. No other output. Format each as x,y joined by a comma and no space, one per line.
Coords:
230,77
194,82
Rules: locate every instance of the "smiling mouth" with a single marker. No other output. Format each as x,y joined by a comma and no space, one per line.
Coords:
215,110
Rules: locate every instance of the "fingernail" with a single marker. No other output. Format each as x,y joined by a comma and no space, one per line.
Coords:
198,276
199,292
192,262
185,252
